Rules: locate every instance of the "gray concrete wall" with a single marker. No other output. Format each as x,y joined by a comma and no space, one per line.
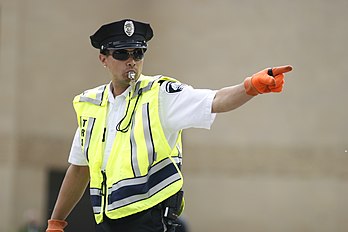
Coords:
276,164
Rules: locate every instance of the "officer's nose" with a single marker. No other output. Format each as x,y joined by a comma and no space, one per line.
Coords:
131,62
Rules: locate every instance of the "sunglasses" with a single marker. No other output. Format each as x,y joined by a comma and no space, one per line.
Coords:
122,54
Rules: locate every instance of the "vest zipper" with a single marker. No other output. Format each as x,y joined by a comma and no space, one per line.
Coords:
103,190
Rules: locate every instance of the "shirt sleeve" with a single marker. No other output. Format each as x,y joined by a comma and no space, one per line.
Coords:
181,106
76,156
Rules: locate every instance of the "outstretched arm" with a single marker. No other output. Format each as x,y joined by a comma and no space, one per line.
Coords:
230,98
265,81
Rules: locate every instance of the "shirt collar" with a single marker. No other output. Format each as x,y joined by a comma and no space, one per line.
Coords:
111,97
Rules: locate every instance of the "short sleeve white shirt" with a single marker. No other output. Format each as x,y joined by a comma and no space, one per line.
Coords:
180,107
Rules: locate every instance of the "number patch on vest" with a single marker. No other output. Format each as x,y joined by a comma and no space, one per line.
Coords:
86,129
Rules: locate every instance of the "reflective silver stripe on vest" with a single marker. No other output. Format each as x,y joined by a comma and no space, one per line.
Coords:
95,195
179,150
139,197
96,209
119,194
148,134
140,180
148,87
142,90
134,154
88,132
90,100
136,89
94,191
99,96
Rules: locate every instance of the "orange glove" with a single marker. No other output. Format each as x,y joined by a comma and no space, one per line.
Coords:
267,80
56,225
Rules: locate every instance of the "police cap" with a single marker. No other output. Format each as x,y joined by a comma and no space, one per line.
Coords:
122,34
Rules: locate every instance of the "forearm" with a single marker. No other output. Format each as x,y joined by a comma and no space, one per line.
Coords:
71,191
229,98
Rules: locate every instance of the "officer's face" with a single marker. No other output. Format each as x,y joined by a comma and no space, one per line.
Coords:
121,62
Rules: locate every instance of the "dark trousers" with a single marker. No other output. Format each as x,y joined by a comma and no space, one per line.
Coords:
147,221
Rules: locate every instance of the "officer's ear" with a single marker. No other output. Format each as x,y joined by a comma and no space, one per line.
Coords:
102,58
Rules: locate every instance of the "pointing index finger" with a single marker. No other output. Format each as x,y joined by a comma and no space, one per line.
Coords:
279,70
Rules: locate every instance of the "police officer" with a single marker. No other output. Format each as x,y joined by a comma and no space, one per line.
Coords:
128,142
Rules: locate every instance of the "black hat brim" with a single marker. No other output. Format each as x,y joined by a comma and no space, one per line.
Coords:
124,44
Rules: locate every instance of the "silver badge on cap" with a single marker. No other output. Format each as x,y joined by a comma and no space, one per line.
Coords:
129,28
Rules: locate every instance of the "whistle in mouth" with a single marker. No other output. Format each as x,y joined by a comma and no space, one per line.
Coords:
131,75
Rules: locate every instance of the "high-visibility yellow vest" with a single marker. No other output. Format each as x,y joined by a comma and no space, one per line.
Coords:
142,169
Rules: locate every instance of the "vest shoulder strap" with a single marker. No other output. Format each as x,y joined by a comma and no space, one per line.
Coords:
94,96
147,83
